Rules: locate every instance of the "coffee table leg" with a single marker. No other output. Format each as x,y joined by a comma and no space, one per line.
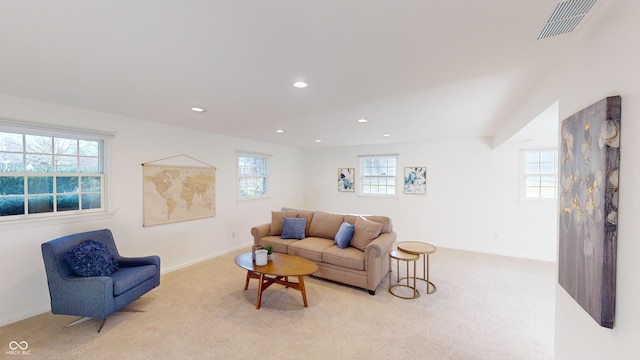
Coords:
304,292
260,283
246,283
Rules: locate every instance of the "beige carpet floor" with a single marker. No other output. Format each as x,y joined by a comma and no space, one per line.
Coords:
485,307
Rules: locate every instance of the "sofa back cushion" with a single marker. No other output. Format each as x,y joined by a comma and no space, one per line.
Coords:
365,231
276,221
306,214
325,225
384,220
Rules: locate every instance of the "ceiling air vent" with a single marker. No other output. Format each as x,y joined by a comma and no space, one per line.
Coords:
565,17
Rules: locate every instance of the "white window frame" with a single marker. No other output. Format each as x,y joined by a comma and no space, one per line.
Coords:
374,176
529,174
244,177
57,216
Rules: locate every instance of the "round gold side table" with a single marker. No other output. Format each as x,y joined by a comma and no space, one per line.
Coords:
406,257
424,249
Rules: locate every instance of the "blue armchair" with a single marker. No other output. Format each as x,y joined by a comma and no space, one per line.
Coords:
99,296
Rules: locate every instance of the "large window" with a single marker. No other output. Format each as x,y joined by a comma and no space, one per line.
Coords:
48,175
539,174
253,176
378,175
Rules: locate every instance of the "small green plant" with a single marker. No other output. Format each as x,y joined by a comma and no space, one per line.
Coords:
269,249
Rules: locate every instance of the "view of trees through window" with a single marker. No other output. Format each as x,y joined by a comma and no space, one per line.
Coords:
378,175
252,176
47,174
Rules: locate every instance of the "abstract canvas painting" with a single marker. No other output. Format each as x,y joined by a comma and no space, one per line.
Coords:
588,224
346,179
415,180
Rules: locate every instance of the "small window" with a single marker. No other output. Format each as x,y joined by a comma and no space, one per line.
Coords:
48,175
378,175
539,174
253,176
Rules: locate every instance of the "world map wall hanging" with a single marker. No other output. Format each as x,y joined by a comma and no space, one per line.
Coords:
174,193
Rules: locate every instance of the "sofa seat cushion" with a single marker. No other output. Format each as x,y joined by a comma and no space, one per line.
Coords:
310,248
349,257
127,278
279,244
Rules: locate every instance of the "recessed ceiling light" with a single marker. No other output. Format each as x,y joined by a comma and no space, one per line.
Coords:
386,135
318,141
363,120
198,109
280,131
300,84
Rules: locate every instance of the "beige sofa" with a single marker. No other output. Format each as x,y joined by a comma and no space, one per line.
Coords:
364,263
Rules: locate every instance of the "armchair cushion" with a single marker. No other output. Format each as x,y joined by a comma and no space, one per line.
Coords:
91,258
129,277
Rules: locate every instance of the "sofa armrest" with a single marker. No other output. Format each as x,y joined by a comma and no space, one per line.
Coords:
259,232
139,261
380,245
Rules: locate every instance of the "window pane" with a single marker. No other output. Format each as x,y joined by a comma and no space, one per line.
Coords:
11,185
532,192
65,146
66,164
391,181
39,144
13,205
91,184
66,184
548,156
40,204
533,181
532,168
89,148
40,185
89,165
67,202
91,201
548,181
547,168
547,192
11,162
39,163
11,142
532,156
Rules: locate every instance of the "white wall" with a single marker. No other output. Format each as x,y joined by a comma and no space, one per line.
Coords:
471,201
23,288
603,63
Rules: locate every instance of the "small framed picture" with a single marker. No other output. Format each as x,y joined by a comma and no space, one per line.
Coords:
415,180
347,179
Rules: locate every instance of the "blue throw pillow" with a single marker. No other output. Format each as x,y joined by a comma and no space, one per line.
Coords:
91,258
293,228
344,235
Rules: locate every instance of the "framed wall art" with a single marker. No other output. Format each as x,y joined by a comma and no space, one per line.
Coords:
415,180
588,224
347,179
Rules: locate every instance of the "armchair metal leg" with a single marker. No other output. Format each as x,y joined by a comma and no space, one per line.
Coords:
79,321
102,324
86,318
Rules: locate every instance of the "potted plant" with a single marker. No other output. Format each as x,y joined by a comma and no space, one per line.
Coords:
269,249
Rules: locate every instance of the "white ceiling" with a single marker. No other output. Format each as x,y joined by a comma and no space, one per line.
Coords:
417,69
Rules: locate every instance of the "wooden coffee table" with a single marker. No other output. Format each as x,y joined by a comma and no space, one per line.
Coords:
280,267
